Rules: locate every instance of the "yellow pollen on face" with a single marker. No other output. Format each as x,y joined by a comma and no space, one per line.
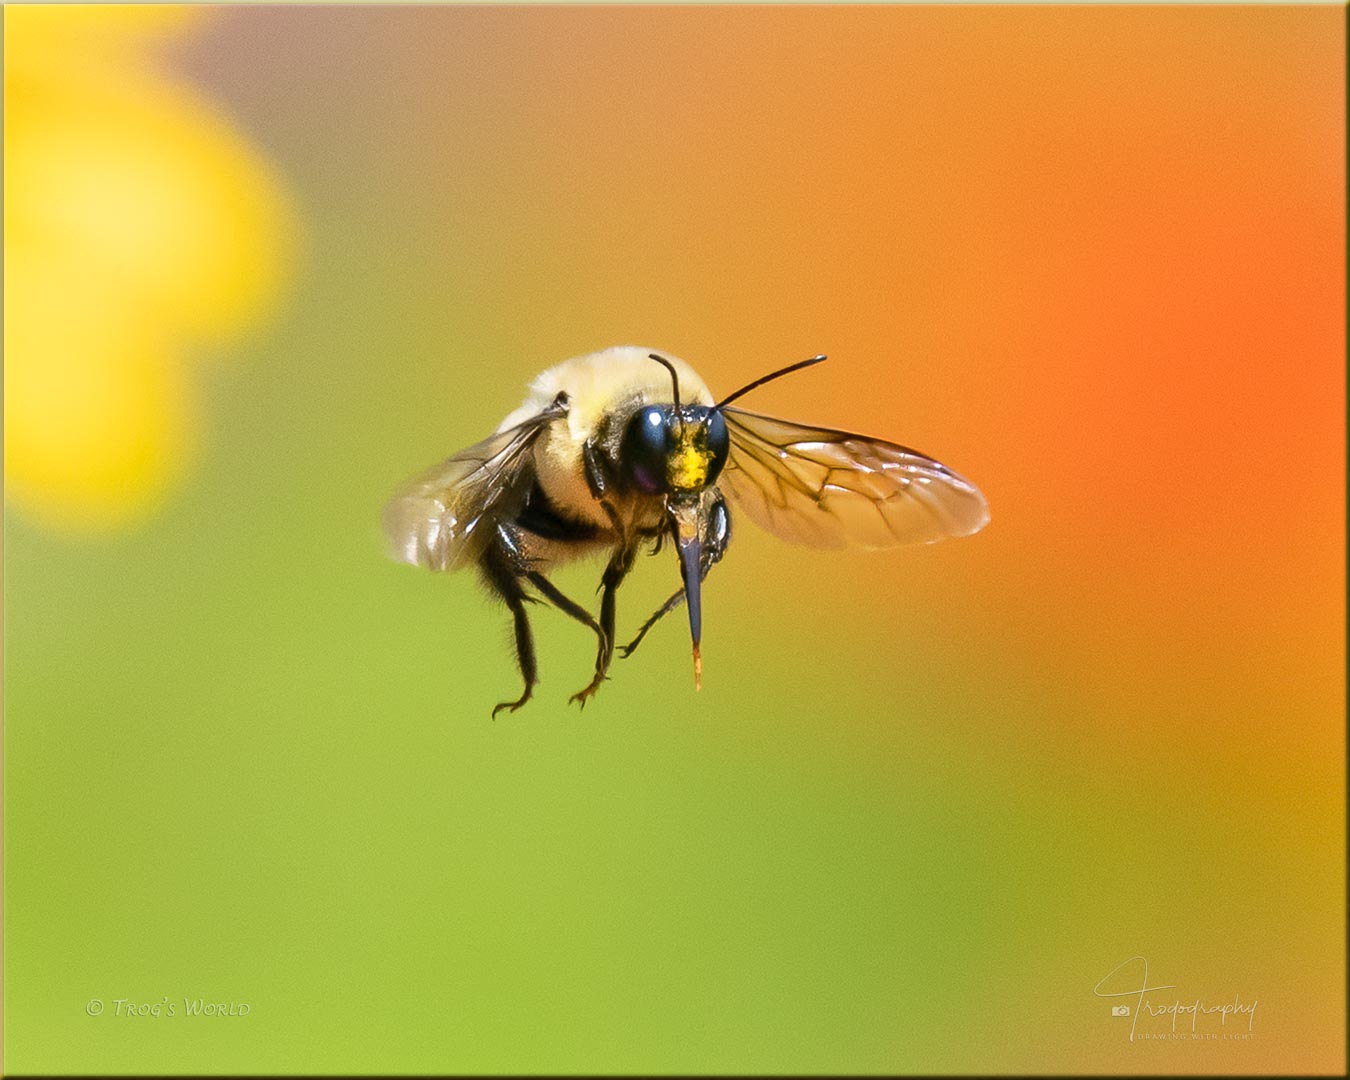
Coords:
688,470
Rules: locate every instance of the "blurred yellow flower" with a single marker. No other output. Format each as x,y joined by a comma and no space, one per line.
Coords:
139,227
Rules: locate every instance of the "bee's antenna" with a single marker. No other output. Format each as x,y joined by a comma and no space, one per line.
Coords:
674,379
767,378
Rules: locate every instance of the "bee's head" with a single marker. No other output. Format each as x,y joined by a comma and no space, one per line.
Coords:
678,451
674,449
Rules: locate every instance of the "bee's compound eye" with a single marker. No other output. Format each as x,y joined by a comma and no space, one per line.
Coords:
719,443
646,448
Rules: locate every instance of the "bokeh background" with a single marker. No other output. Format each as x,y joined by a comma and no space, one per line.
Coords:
263,264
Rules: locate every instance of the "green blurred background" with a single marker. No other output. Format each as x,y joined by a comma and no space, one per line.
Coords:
926,799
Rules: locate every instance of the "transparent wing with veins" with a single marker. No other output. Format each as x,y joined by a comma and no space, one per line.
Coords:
829,489
442,519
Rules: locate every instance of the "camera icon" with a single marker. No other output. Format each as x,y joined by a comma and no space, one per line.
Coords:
1120,1010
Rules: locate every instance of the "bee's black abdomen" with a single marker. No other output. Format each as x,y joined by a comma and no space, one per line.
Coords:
542,517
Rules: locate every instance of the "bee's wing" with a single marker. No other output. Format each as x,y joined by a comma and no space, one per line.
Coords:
831,488
443,518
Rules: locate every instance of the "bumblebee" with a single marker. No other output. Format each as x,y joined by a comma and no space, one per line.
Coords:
624,449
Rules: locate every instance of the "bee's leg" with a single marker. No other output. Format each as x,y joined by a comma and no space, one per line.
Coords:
500,574
619,565
676,599
559,600
511,542
719,536
595,471
594,468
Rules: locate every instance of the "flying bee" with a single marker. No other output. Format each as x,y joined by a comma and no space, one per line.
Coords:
627,448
